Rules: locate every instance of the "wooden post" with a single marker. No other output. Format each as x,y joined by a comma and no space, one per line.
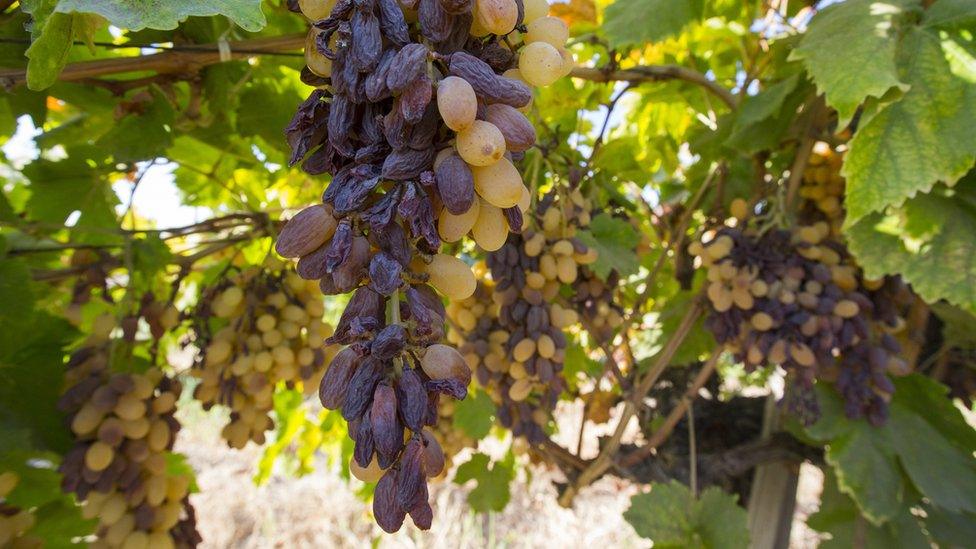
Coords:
772,499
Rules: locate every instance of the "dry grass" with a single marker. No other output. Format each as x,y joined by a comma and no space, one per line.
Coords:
322,509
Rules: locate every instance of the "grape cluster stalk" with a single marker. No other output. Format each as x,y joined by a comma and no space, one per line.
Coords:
15,522
124,430
256,328
795,298
418,117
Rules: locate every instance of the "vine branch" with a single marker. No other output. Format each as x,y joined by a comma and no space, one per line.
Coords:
186,61
605,461
657,73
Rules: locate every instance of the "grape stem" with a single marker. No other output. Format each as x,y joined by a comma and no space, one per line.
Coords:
666,428
656,73
604,460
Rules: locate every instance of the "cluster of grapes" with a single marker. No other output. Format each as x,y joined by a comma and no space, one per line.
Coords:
592,297
15,522
823,185
528,273
795,298
417,121
124,428
256,329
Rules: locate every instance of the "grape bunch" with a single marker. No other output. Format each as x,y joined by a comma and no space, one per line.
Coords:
528,273
795,298
592,297
15,522
823,186
256,329
124,429
417,120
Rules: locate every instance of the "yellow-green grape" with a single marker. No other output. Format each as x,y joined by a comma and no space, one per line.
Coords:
316,9
456,103
451,276
496,16
452,228
534,9
500,183
540,64
481,144
739,209
551,30
370,473
319,64
490,230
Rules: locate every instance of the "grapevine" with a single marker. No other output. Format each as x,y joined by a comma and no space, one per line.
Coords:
721,267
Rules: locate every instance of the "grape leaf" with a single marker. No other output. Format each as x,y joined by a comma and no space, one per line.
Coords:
940,262
762,119
925,441
862,33
475,414
578,365
670,516
950,529
48,53
153,125
950,14
615,241
167,14
634,21
839,517
17,296
31,374
957,325
920,139
60,188
492,492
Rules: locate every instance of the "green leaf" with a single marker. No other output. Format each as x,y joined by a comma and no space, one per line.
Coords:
929,465
950,14
950,529
150,256
48,53
864,34
578,365
167,14
177,465
615,241
492,492
921,139
17,296
957,325
31,376
475,414
925,440
939,263
763,119
867,470
142,135
839,517
670,516
635,21
60,188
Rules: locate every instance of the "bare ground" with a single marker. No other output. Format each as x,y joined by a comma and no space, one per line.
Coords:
322,509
